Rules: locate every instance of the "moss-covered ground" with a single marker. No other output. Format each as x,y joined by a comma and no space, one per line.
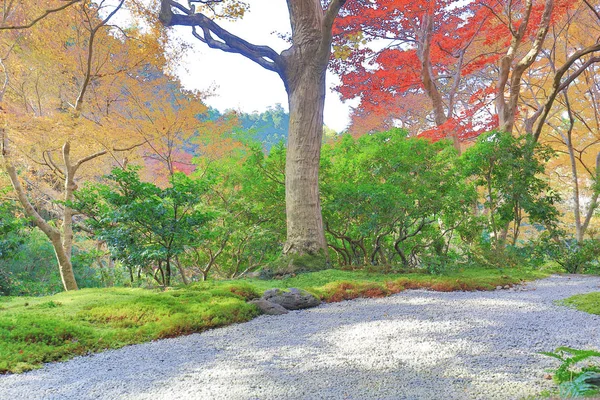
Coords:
589,302
34,330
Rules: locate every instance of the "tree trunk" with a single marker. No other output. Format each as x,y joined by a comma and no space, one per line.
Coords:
303,72
64,261
510,73
168,272
306,98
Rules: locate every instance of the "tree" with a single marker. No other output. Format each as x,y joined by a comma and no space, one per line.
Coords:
560,100
145,226
508,169
412,62
59,124
302,69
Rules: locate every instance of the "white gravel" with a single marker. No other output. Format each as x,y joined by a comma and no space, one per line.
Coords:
414,345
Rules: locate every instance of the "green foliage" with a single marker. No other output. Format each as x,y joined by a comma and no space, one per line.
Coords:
248,192
31,267
390,200
146,226
10,239
576,381
485,254
509,170
270,128
10,226
572,255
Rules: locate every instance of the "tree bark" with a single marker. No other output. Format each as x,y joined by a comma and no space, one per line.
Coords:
510,74
428,77
64,260
305,82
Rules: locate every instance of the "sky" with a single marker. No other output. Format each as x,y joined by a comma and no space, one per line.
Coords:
241,84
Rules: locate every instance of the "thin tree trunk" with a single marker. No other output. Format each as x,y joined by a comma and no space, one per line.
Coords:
181,271
575,179
64,260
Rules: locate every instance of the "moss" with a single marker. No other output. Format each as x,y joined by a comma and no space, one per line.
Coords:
292,264
589,302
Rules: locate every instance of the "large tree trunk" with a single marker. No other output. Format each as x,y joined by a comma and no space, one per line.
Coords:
306,96
303,72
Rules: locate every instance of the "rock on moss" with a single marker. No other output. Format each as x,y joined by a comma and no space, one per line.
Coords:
291,299
268,307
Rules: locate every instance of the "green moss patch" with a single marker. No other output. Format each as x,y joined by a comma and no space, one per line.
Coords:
589,302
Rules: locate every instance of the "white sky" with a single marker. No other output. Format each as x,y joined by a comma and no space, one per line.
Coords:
240,83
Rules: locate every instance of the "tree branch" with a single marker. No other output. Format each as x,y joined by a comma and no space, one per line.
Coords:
264,56
41,17
558,86
88,72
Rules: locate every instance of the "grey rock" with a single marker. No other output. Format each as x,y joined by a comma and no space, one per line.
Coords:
268,307
498,287
292,298
506,286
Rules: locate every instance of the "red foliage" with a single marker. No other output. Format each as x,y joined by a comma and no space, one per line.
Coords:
383,50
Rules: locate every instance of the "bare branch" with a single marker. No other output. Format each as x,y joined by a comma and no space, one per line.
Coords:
591,7
88,72
558,86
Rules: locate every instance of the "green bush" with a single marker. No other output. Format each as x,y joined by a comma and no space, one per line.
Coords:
390,200
573,256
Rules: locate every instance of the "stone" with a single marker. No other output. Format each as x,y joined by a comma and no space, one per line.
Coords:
268,307
498,287
292,298
506,286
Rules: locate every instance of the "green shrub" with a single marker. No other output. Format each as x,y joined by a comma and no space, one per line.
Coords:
573,256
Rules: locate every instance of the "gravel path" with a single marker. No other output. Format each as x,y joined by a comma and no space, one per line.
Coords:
413,345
